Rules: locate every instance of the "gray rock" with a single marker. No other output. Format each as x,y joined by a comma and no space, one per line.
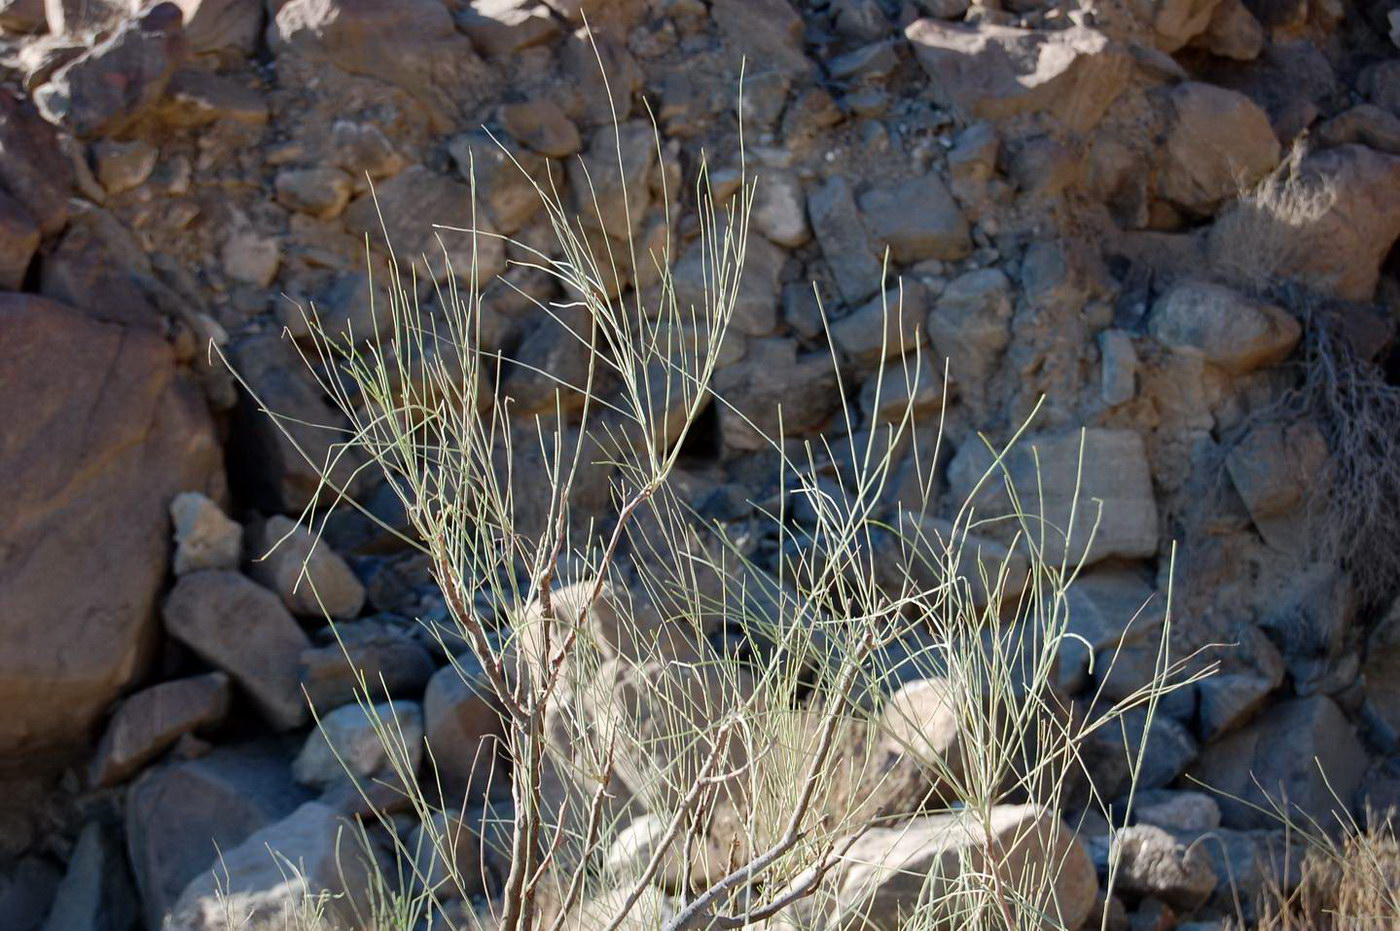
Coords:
613,203
311,579
1233,32
970,325
907,385
1252,670
1182,812
995,72
205,538
27,893
29,172
766,31
1107,609
114,83
1365,124
505,176
780,209
762,383
464,731
916,219
95,894
248,257
152,720
844,241
179,817
242,628
1284,755
391,662
1382,669
756,303
363,149
1167,748
347,744
1152,863
884,328
1275,468
1233,332
251,883
320,192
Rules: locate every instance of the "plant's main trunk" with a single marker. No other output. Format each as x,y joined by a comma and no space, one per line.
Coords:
518,913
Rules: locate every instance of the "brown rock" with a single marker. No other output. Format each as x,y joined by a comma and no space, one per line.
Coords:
1233,332
19,239
997,72
1220,143
391,662
916,219
99,267
311,578
85,548
29,171
541,126
149,722
242,628
503,27
464,732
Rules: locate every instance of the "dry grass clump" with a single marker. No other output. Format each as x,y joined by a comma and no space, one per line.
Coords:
1351,884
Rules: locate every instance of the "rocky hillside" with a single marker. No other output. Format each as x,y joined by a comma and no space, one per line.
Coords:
1172,219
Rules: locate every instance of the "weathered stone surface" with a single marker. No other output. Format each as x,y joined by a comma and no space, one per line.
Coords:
767,31
889,871
756,302
1234,333
222,25
205,538
99,267
505,176
346,744
542,126
1152,863
19,240
1220,143
391,661
179,817
780,209
311,579
252,879
96,893
242,628
401,213
1233,32
844,241
320,192
907,384
111,85
197,98
884,328
1177,22
465,731
411,44
1107,609
1184,812
606,182
1364,124
149,722
1382,669
275,464
1274,467
1046,471
85,548
763,381
997,72
1281,759
916,219
121,166
503,27
970,325
28,170
922,721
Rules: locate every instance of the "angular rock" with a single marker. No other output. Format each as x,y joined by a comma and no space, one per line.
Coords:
411,44
970,325
121,166
541,126
29,172
197,98
1233,32
1365,124
1275,467
180,817
19,240
780,209
916,219
363,149
889,871
390,660
1220,143
96,893
1152,863
921,721
99,266
997,72
251,258
110,86
242,628
118,400
149,722
757,299
1284,755
346,744
1183,812
401,213
767,31
1046,471
311,579
222,25
499,28
1165,746
505,176
1329,227
320,192
907,385
1177,22
1234,333
464,732
1107,609
252,883
762,383
844,241
884,328
1382,669
275,464
610,202
204,537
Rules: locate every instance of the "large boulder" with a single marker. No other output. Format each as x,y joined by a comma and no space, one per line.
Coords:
1302,756
102,431
888,873
999,72
1220,143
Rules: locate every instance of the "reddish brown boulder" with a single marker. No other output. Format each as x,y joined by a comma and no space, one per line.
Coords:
101,431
